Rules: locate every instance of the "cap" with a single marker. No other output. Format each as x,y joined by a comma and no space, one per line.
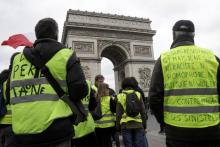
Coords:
184,25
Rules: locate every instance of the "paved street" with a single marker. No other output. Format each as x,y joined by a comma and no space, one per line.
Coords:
154,139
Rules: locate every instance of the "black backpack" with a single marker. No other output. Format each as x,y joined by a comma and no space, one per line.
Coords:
133,105
3,77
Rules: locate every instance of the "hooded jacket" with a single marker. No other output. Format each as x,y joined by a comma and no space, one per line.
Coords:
61,129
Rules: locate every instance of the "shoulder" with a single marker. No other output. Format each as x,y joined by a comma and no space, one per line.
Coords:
14,55
138,93
120,96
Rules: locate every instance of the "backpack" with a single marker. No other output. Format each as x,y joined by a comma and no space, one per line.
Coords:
133,106
3,77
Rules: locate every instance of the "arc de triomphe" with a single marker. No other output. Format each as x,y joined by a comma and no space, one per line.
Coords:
126,41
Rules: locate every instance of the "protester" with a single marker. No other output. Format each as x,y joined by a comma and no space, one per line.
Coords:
184,91
115,134
106,123
6,135
85,131
41,116
130,115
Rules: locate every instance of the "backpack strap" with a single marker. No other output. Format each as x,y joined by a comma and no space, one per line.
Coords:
77,108
53,82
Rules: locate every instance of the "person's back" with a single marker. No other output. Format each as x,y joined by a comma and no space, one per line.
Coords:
105,125
185,86
131,123
40,117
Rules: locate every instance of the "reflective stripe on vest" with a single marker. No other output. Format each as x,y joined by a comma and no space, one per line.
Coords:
35,97
190,83
122,100
104,121
198,91
88,126
32,96
201,109
108,118
136,117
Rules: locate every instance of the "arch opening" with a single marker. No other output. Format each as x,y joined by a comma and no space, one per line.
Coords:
108,72
114,54
117,56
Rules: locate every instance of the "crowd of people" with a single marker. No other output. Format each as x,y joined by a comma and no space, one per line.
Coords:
46,101
49,102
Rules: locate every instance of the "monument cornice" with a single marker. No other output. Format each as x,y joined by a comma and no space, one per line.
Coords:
107,15
105,22
105,33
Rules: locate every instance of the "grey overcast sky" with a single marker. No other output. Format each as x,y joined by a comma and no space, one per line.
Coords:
20,16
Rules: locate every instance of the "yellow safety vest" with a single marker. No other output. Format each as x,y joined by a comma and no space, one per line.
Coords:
88,126
34,103
122,100
6,119
190,87
108,118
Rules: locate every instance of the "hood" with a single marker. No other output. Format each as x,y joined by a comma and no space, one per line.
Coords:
43,50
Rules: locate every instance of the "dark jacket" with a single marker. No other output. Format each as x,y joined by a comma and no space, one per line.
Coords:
92,100
156,94
60,129
130,124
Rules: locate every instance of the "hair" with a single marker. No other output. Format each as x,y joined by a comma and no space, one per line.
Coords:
103,90
134,81
97,77
46,28
129,83
111,92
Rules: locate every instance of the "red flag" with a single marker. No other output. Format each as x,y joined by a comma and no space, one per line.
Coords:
17,40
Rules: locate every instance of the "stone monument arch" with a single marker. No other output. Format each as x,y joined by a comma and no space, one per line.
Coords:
125,41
